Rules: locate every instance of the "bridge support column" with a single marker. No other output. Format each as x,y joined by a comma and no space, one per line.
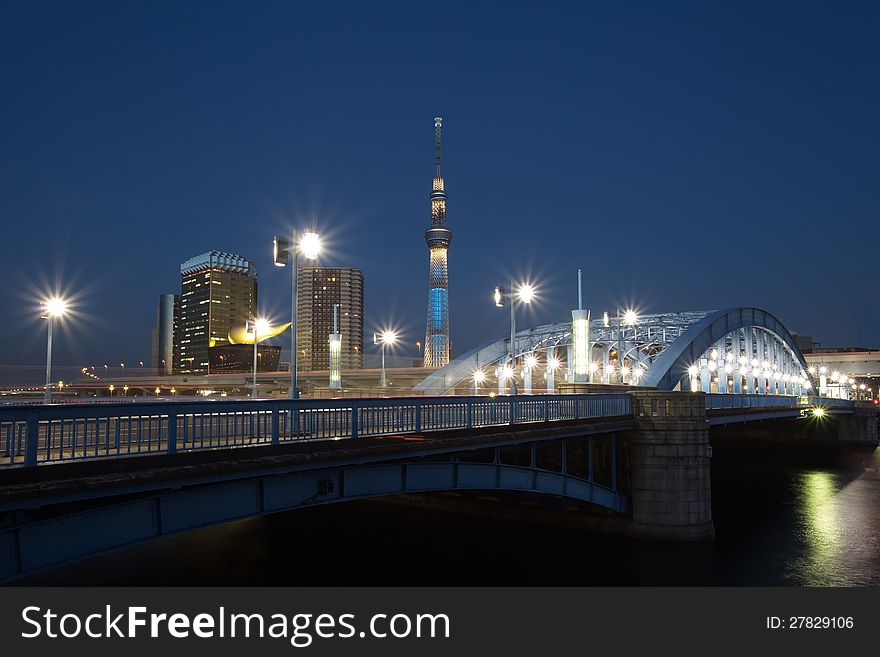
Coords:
860,428
669,464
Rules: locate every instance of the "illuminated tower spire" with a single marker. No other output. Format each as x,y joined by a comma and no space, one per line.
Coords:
438,237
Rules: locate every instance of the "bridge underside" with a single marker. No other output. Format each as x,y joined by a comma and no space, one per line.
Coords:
580,466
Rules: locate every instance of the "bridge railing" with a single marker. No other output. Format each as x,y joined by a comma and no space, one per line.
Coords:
35,435
717,401
830,402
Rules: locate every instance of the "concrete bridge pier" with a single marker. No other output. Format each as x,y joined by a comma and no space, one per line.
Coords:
859,428
669,452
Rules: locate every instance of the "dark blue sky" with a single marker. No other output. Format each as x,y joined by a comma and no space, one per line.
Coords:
686,155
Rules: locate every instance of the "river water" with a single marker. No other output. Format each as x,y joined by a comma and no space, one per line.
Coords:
814,522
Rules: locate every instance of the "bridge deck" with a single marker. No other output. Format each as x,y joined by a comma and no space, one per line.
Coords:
79,480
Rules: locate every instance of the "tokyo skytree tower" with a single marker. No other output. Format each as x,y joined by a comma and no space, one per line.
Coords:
438,237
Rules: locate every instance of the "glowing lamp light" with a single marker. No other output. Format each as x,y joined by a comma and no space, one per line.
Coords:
507,372
630,318
54,307
818,412
692,370
712,366
479,376
526,293
553,364
385,337
310,245
531,361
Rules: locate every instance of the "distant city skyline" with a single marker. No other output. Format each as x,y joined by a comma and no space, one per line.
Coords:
685,157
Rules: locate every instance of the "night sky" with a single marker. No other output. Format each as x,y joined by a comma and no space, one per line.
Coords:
685,155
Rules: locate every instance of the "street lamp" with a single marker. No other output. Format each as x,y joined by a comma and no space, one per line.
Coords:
258,325
629,318
479,377
525,294
384,338
52,308
310,247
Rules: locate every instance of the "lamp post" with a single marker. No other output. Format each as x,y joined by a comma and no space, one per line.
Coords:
525,293
286,252
257,325
530,362
52,308
629,318
479,377
384,338
553,364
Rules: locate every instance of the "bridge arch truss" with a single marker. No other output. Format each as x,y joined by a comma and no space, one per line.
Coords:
737,350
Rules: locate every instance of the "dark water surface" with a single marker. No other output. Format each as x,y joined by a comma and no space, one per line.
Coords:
814,523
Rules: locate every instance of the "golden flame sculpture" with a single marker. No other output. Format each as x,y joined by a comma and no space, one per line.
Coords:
241,334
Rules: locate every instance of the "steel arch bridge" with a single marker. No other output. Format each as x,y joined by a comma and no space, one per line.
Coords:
737,350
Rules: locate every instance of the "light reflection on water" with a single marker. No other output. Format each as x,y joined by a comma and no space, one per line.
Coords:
838,520
777,523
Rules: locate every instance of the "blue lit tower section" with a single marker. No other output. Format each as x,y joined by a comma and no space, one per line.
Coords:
438,237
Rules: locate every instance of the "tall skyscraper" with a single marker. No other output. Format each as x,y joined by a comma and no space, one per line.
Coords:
218,292
318,289
438,237
165,334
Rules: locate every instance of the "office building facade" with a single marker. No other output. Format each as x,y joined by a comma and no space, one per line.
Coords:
218,292
318,289
165,335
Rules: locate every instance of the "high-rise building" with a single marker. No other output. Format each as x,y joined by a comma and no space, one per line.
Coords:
438,236
318,289
218,292
165,334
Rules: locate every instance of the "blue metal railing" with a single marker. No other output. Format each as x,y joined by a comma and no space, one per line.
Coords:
829,402
35,435
723,401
